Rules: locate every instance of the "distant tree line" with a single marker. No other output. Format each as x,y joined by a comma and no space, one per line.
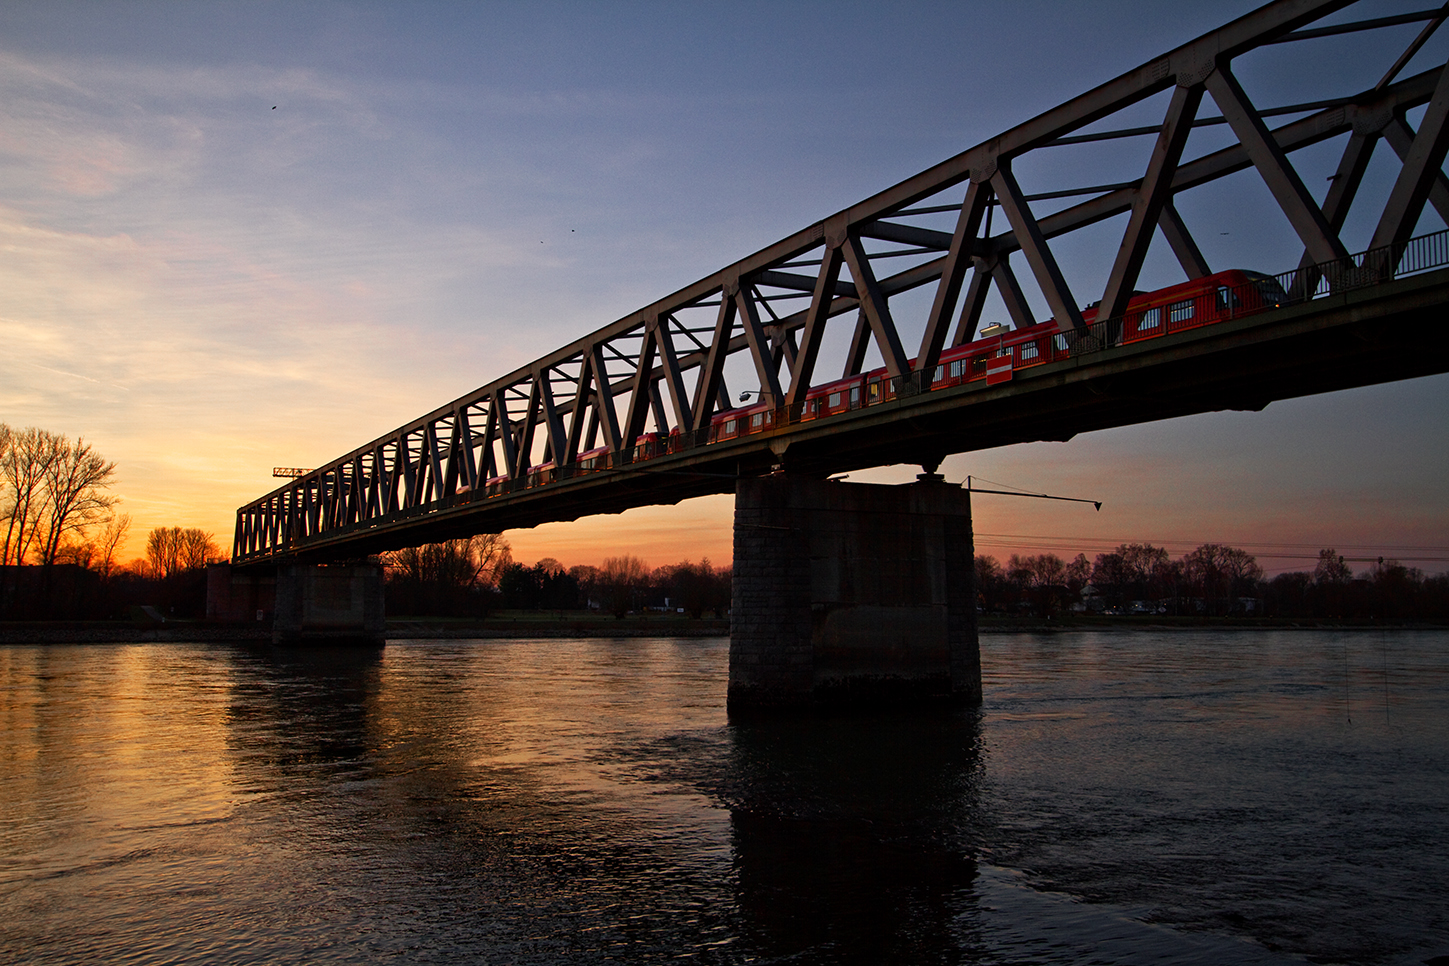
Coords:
1212,580
1386,590
477,576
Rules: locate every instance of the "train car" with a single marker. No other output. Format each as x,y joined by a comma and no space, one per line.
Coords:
1197,302
591,461
648,446
830,398
733,423
541,474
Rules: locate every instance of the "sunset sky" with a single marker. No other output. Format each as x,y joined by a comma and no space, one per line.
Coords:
245,235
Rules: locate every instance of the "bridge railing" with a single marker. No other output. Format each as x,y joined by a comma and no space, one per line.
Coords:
1215,304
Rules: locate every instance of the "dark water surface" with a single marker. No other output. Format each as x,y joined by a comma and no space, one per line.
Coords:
1134,797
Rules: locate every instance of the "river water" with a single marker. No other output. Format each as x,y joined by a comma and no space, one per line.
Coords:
1128,797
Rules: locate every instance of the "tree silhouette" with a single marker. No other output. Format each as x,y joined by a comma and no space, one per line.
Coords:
75,479
25,458
621,579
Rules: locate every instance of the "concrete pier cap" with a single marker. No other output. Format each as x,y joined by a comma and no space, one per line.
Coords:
852,595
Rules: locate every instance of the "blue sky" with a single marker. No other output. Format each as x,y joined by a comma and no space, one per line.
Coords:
244,235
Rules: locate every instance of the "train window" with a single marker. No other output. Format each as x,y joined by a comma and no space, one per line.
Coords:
757,420
1061,343
730,425
1027,351
1151,319
1228,299
1180,311
854,396
875,389
956,368
834,400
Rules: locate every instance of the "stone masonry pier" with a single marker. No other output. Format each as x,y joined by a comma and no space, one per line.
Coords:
850,594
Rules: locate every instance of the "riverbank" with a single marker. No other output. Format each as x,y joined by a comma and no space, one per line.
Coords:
585,626
117,632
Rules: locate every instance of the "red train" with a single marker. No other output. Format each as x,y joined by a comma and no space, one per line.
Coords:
1191,304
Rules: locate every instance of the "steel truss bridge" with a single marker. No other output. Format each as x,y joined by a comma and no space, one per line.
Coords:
921,258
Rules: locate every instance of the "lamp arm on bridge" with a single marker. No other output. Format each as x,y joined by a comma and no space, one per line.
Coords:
1035,496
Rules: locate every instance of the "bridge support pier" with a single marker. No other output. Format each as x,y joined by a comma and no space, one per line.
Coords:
854,595
332,604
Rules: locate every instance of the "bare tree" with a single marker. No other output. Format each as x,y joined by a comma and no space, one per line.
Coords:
163,551
1221,572
25,461
109,540
198,548
1042,578
75,480
174,550
1331,569
621,578
444,575
1077,573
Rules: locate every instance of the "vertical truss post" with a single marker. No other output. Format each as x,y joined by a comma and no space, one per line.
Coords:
434,488
783,350
1422,166
953,274
1189,256
548,410
1400,137
501,422
358,510
639,396
711,374
877,308
1010,290
683,413
1341,191
973,304
526,427
1033,245
859,346
1287,188
452,468
1148,201
656,406
583,396
604,402
468,465
803,370
759,343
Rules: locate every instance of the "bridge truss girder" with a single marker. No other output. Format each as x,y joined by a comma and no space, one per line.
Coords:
664,366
